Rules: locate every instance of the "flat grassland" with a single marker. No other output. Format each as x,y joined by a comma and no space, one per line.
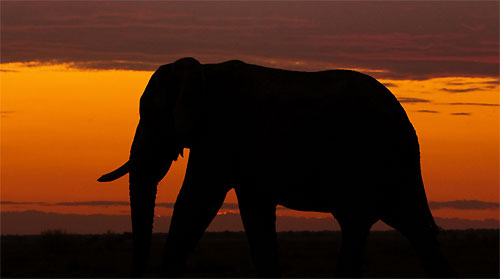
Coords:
473,253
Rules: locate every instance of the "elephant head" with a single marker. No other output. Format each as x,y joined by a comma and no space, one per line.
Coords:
170,112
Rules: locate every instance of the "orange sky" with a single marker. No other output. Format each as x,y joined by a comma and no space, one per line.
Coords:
58,137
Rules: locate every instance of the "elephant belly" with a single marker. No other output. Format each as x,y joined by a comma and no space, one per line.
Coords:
313,180
333,193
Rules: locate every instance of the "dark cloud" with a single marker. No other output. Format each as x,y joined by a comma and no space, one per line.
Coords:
473,104
428,111
490,82
412,100
83,203
385,39
461,224
107,203
464,205
17,203
91,203
388,84
461,113
464,90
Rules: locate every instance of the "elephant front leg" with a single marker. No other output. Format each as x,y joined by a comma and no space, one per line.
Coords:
258,214
198,202
354,234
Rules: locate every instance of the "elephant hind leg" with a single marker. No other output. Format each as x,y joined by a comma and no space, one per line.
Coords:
423,237
354,234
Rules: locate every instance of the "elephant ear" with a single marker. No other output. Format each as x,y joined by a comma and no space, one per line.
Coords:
187,112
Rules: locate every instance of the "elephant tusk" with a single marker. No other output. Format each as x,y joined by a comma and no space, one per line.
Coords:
119,172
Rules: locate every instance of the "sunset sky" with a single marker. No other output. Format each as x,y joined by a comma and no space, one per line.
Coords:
72,74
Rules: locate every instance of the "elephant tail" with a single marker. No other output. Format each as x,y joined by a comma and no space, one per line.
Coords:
114,175
429,221
422,206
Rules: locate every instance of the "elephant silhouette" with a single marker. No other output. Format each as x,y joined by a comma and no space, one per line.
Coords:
334,141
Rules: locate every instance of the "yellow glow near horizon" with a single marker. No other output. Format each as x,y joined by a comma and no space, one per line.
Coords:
61,128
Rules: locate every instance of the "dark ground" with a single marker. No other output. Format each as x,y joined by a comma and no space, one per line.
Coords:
473,253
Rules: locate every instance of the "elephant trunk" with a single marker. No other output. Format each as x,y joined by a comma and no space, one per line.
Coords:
150,160
142,204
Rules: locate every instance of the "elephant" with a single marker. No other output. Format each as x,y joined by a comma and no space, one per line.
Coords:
334,141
